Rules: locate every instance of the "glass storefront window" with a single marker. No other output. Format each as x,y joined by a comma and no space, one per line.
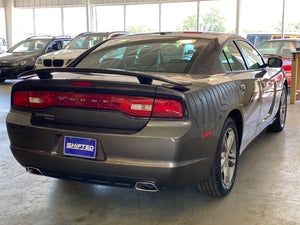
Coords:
74,25
3,45
218,16
259,16
292,23
48,21
142,18
179,16
20,31
108,18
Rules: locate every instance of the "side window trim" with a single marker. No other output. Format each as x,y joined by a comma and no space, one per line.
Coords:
244,56
227,62
240,54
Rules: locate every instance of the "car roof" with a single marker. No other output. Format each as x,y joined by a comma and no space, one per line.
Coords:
47,38
220,37
284,39
100,33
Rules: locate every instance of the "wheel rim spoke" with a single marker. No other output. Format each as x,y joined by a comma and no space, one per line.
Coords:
228,156
282,108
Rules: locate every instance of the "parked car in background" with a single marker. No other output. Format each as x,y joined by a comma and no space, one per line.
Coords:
3,45
282,48
257,38
149,111
22,56
78,45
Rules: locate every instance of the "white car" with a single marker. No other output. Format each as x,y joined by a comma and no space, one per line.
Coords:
78,45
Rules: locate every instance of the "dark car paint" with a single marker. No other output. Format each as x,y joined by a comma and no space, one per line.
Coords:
7,59
10,71
169,152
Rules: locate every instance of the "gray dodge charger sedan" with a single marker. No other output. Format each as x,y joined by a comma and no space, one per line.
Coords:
149,111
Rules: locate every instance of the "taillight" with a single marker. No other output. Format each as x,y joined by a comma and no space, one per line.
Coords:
130,105
21,99
167,108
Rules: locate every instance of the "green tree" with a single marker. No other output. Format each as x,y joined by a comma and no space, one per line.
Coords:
139,29
212,21
189,24
292,27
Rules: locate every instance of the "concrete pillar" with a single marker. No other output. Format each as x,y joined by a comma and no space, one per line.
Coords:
8,9
88,15
159,14
125,20
238,16
198,16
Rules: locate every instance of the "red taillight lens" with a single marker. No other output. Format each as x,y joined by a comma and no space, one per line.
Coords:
166,108
130,105
21,98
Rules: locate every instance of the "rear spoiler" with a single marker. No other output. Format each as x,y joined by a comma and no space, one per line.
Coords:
142,77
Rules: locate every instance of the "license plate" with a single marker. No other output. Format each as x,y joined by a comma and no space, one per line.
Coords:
82,147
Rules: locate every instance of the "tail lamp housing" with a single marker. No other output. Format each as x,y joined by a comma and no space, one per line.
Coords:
136,106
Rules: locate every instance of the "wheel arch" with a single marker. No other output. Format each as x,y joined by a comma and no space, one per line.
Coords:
238,119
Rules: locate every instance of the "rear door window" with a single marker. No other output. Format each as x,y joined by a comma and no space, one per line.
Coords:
252,57
232,59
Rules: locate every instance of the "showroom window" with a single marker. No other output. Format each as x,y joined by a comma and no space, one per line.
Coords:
74,25
292,23
2,22
103,14
142,18
179,16
2,32
218,16
48,21
266,19
20,18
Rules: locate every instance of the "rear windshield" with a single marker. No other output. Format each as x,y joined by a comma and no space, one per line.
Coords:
173,56
86,41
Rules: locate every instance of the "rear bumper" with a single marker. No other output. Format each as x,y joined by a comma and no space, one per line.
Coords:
166,153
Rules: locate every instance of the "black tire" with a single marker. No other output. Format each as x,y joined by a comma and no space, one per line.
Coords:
219,184
280,117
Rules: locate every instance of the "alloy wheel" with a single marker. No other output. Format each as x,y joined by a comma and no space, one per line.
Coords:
228,156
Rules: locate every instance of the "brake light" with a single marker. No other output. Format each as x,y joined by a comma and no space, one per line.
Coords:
83,84
21,98
130,105
166,108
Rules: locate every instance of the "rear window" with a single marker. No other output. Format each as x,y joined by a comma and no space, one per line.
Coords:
86,41
167,56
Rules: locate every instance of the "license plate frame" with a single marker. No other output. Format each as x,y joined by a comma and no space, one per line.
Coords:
80,147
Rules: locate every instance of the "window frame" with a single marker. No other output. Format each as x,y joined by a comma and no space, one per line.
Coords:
230,64
243,55
241,49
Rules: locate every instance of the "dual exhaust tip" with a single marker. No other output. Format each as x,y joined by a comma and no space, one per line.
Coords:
34,170
147,186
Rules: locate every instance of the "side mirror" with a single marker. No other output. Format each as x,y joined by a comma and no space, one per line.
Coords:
275,62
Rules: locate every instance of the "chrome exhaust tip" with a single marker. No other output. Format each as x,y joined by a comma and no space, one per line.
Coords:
34,170
146,186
